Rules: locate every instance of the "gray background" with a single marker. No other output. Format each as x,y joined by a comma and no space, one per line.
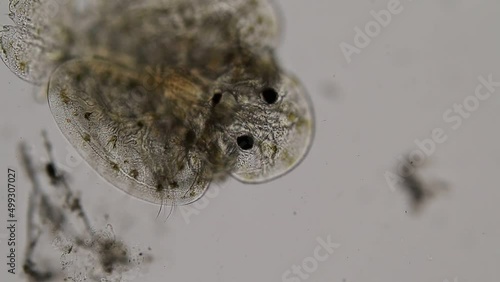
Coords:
369,112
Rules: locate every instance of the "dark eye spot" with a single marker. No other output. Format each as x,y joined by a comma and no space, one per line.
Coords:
216,98
270,95
245,142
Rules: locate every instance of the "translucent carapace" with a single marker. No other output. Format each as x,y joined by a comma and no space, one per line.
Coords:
163,97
